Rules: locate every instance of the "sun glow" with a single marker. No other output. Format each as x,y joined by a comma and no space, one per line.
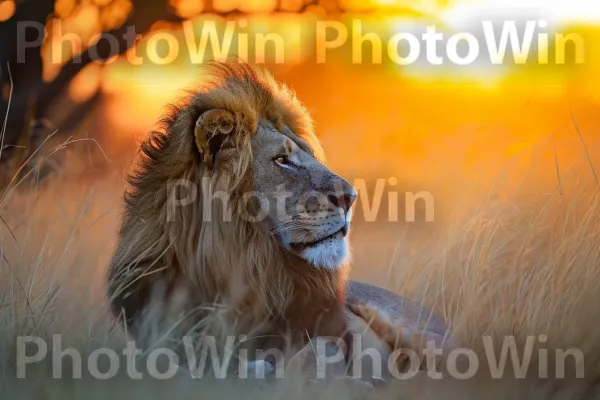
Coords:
554,10
508,108
7,9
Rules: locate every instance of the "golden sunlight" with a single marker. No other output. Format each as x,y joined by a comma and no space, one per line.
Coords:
514,106
555,10
7,9
187,8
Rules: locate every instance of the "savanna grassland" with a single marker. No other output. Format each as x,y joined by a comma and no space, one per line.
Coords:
514,249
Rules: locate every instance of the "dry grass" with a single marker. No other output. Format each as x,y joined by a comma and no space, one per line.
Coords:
521,265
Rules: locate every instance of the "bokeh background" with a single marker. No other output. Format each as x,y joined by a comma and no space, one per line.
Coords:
517,136
510,154
457,132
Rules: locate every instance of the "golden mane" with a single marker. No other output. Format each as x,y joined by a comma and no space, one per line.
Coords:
163,249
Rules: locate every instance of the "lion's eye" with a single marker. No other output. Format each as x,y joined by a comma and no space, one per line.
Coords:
282,160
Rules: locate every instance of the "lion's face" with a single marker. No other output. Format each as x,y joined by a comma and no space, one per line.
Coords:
306,206
241,132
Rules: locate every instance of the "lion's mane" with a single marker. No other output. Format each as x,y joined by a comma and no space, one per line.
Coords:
162,248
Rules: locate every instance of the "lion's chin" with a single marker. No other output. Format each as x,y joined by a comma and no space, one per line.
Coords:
330,254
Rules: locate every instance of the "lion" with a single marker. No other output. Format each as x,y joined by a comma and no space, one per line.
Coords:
231,210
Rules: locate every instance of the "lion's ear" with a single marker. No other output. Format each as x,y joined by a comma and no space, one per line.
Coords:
211,129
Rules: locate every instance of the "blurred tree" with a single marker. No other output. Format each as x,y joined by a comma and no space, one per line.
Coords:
26,122
29,93
24,80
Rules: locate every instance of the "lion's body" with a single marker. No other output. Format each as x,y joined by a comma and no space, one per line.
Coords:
176,270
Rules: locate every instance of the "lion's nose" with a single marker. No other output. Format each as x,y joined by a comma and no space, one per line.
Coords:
343,201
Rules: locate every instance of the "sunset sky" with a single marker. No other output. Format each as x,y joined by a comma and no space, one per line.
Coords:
436,126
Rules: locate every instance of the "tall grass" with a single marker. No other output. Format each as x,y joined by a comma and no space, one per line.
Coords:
520,265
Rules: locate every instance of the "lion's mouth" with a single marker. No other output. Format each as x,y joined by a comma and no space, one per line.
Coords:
342,232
